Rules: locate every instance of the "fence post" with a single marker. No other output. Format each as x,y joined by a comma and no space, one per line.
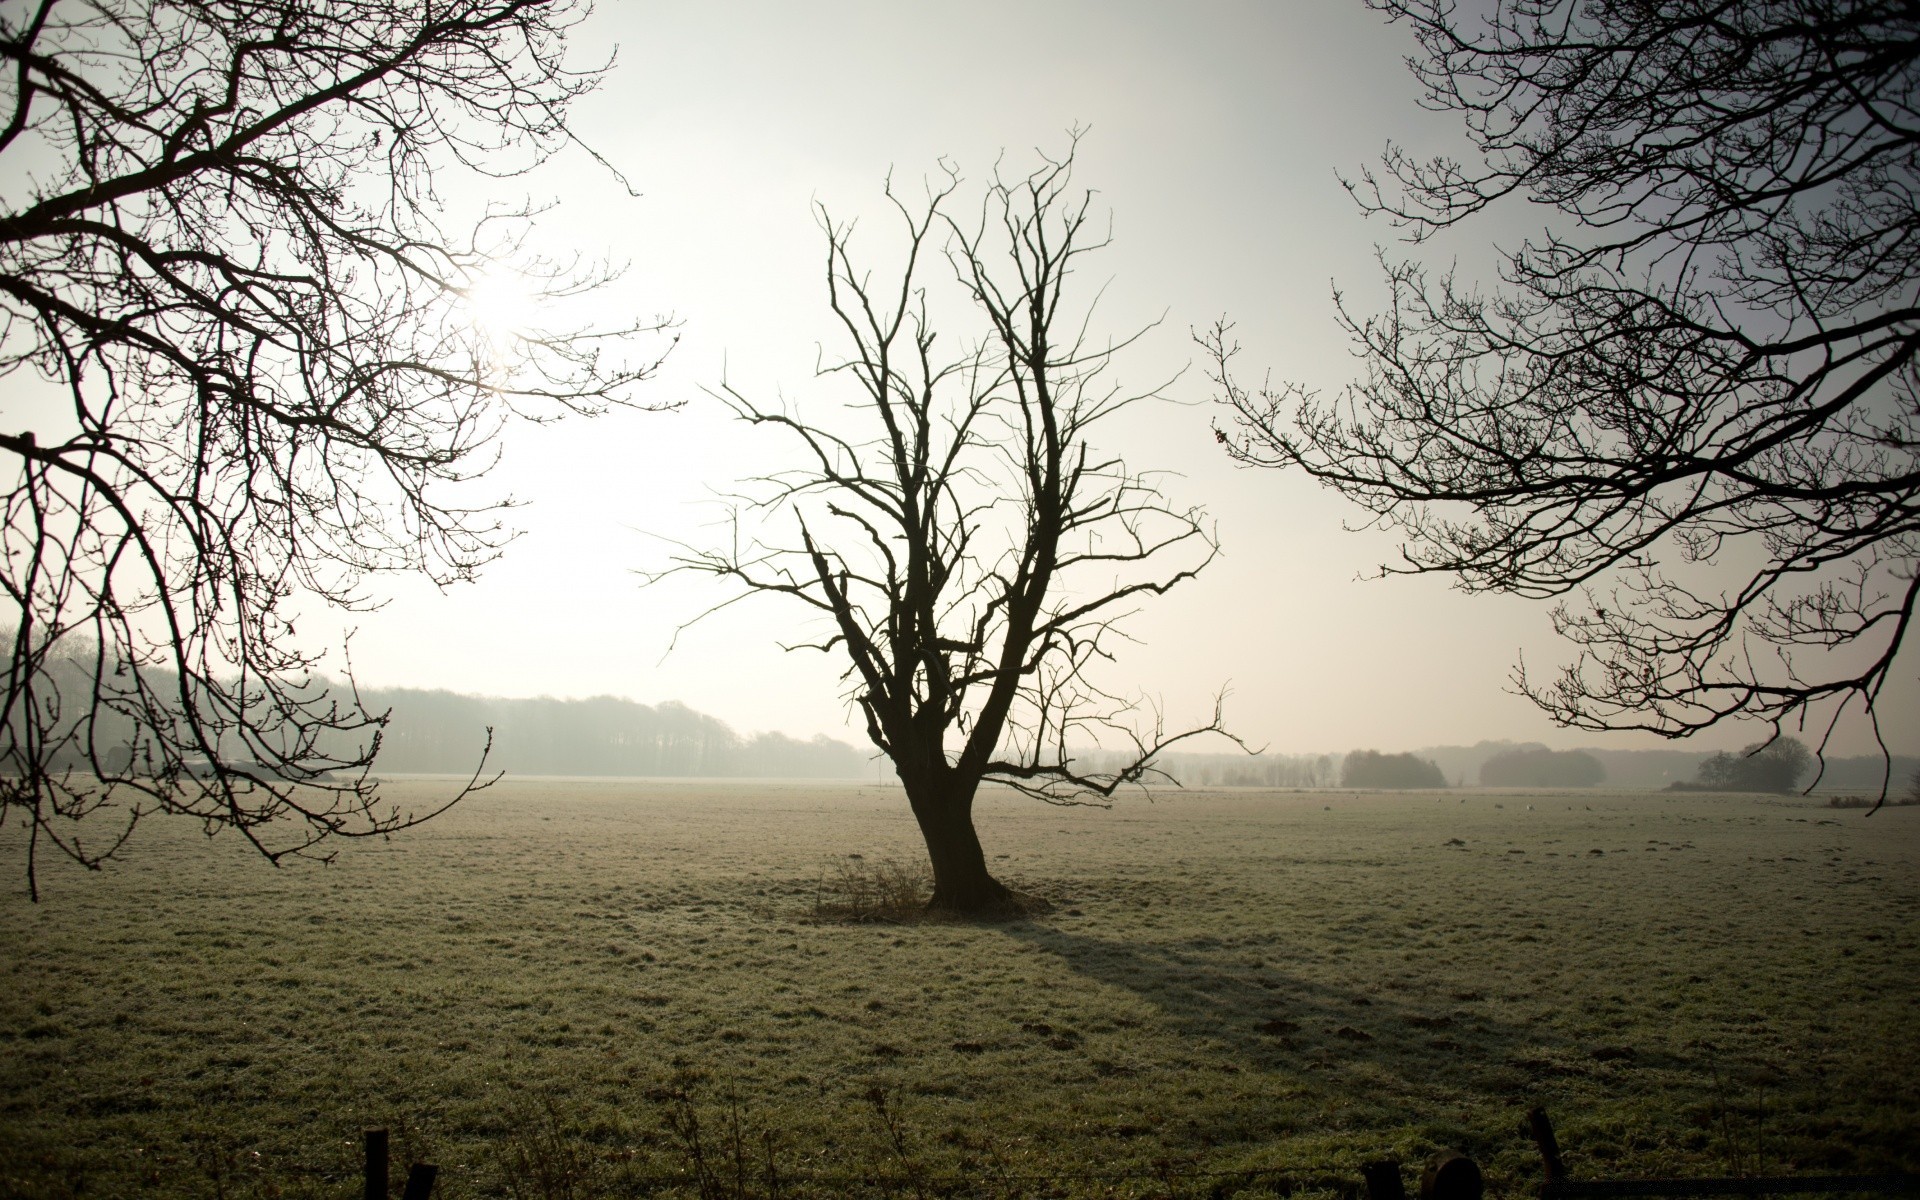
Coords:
1383,1180
376,1174
420,1179
1550,1161
1451,1175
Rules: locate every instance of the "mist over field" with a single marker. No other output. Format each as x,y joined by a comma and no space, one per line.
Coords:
438,732
1097,600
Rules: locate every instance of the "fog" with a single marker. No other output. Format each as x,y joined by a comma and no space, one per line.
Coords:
1216,135
438,732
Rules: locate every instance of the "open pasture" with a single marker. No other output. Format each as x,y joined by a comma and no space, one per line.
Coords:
1283,982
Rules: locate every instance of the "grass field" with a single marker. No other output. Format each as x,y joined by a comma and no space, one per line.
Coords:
532,991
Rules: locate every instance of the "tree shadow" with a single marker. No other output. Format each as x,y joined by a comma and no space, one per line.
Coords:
1394,1047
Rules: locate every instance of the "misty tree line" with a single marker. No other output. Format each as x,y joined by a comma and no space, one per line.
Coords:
1530,764
440,732
66,720
1776,766
1260,770
443,732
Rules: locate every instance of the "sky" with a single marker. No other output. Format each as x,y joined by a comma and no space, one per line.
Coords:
1215,136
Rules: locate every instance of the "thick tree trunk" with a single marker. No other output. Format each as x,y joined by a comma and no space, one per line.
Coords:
961,882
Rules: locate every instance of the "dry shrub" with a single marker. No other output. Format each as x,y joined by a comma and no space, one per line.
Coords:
1912,797
540,1158
725,1159
853,890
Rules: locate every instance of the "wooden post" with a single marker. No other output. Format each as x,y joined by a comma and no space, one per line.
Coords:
1383,1180
1550,1161
420,1179
376,1177
1451,1175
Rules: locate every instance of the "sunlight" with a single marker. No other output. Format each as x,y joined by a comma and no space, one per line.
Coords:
502,304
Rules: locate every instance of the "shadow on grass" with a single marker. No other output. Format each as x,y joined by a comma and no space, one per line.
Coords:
1409,1054
1452,1073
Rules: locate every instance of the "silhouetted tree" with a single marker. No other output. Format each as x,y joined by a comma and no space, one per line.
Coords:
971,549
233,307
1372,769
1720,771
1712,361
1775,766
1537,766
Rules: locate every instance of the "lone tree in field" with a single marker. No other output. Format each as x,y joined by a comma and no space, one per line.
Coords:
1711,360
244,371
967,544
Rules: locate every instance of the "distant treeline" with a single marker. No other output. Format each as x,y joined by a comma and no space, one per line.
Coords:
1657,769
436,732
1496,764
443,732
1228,770
1537,766
1372,769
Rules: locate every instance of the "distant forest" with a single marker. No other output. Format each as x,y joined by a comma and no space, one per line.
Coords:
441,732
1462,766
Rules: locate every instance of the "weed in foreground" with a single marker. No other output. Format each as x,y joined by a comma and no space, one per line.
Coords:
726,1162
540,1158
715,1152
1739,1129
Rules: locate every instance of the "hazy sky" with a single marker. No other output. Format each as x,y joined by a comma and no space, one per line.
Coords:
1216,131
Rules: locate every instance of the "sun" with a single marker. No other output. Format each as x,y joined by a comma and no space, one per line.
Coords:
502,304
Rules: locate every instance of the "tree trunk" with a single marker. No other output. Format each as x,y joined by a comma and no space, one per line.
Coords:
961,882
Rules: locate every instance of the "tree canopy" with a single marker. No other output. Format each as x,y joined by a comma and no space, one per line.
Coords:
1776,766
1537,766
1372,769
241,324
957,529
1690,410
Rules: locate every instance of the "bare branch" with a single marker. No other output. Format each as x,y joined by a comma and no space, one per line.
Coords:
972,547
1712,362
227,251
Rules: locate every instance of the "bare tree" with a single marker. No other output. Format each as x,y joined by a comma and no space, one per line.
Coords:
232,304
1711,361
969,548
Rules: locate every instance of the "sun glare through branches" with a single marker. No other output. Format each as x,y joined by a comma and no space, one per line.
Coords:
502,304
